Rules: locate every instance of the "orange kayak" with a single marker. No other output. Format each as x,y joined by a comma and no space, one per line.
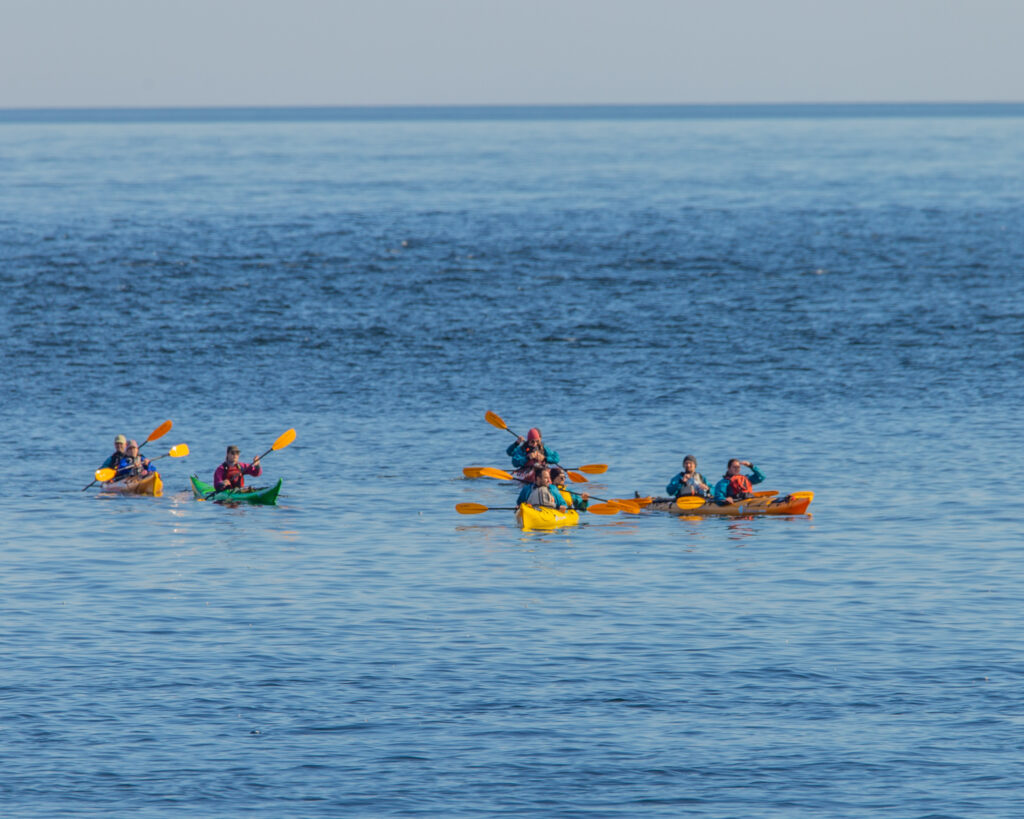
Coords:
147,485
795,503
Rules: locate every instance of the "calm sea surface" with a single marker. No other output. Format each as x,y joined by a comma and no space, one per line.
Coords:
838,298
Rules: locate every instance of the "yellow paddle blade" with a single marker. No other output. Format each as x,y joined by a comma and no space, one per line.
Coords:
284,440
179,451
626,505
495,420
104,475
498,474
594,469
766,493
472,471
159,432
603,509
644,502
470,508
690,502
576,477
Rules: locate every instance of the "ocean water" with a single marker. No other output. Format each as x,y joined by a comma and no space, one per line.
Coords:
836,296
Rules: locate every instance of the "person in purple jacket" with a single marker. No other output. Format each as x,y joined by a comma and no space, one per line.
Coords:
231,474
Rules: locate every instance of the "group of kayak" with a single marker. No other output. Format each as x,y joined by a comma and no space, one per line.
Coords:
127,472
544,501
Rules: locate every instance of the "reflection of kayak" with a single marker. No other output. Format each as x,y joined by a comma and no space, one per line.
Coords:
265,495
148,485
537,517
794,504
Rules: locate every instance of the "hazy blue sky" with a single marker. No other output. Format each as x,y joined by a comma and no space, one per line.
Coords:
316,52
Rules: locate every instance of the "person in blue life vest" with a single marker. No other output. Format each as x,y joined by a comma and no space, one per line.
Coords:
531,449
133,465
115,460
689,481
231,474
734,485
558,477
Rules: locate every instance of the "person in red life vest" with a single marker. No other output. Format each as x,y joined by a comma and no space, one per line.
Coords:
231,474
735,485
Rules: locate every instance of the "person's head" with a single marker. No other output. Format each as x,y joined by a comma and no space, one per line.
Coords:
232,454
733,467
689,464
543,477
131,448
533,435
557,475
119,442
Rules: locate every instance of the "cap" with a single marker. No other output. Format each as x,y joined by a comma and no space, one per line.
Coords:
133,443
234,449
533,434
689,458
120,439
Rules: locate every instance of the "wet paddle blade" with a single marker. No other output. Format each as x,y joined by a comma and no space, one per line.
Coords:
284,440
576,477
497,474
594,469
472,471
603,509
689,502
471,508
159,432
179,451
495,420
104,475
629,506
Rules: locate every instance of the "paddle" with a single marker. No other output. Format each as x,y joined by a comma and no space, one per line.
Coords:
495,420
478,508
690,501
625,505
285,440
590,469
472,471
159,432
177,451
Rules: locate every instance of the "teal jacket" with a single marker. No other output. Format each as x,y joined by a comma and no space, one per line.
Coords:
722,487
572,502
517,452
676,486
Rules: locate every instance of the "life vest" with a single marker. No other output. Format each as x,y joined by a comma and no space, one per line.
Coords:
739,487
233,475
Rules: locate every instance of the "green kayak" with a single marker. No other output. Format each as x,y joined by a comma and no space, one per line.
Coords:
266,495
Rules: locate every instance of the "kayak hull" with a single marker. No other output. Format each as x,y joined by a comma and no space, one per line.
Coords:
151,485
536,517
264,496
793,504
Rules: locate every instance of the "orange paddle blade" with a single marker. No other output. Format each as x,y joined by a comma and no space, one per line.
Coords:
495,420
159,432
576,477
497,474
470,508
472,471
604,509
766,493
593,469
627,505
104,475
690,502
644,502
285,439
179,451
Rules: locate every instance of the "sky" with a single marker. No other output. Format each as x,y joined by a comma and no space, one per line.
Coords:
101,53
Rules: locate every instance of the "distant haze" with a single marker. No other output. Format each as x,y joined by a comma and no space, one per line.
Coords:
56,53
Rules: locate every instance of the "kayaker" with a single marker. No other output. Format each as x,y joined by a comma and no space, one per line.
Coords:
735,485
231,474
133,465
531,449
558,476
689,481
114,461
544,495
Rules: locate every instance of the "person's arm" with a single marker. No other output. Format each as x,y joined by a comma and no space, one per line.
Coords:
524,494
756,475
218,478
559,498
721,492
512,448
550,455
675,485
518,457
253,469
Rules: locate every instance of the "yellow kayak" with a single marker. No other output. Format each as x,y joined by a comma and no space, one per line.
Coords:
148,485
539,517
